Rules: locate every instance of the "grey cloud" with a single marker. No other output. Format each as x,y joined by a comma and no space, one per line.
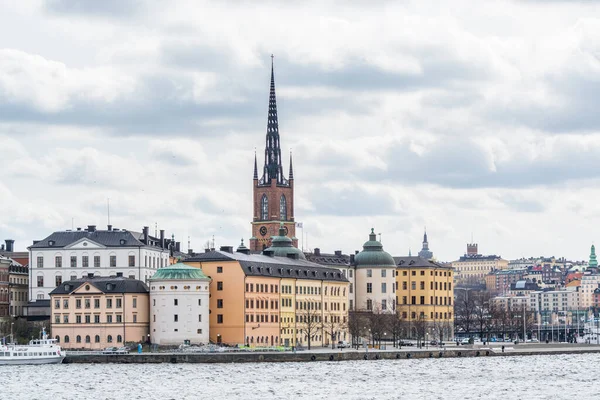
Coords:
520,204
353,201
104,8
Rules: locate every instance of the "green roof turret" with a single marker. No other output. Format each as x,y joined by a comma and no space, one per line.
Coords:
373,254
179,272
593,261
282,246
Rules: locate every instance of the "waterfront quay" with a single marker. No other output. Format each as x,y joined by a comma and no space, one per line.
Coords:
331,355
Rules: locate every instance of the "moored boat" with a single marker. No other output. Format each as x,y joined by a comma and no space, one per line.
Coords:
38,351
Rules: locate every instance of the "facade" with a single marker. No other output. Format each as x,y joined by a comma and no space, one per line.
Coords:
424,294
179,299
515,303
96,312
472,268
273,193
4,290
589,283
555,305
18,283
425,252
266,300
499,281
69,255
374,278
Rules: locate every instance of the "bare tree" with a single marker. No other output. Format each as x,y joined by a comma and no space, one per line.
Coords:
481,311
377,324
356,323
394,325
420,325
441,330
308,321
464,312
332,326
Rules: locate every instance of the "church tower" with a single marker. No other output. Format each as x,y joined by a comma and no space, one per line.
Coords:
425,252
273,194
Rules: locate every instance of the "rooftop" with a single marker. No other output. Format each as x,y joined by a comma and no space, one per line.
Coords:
104,284
179,272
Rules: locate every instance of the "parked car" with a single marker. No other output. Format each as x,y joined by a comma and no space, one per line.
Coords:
342,344
115,350
465,341
433,343
405,343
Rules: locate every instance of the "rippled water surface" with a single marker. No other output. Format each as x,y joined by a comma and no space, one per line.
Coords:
532,377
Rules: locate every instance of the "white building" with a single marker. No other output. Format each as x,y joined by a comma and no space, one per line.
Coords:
589,283
179,305
69,255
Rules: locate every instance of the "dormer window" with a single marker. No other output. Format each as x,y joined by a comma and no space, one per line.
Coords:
51,243
122,241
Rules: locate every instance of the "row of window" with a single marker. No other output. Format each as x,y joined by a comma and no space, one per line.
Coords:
176,318
433,300
87,302
261,288
384,305
263,304
109,339
264,208
87,319
262,318
413,315
422,273
85,261
432,285
383,287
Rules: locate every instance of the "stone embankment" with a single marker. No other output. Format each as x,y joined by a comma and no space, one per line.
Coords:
331,355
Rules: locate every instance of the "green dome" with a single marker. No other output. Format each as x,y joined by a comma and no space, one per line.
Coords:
282,245
179,272
373,255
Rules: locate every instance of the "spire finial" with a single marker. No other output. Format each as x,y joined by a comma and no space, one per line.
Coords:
273,166
291,175
255,165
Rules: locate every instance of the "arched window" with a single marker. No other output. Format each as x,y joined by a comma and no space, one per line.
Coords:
66,338
78,339
109,339
97,339
57,339
282,208
119,339
87,339
264,208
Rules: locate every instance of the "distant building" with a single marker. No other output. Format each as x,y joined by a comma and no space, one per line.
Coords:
425,252
179,300
593,261
523,288
4,291
499,281
97,312
18,282
589,283
472,268
69,255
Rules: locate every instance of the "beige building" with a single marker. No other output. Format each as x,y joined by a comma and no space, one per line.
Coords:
94,313
18,283
471,269
589,283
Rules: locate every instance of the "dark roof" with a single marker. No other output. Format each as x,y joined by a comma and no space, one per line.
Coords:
341,260
281,267
39,303
105,284
106,238
417,262
479,257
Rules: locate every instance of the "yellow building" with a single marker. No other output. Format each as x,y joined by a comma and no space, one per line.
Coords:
472,269
424,297
268,300
98,312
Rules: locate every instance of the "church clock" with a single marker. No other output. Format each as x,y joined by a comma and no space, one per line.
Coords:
263,230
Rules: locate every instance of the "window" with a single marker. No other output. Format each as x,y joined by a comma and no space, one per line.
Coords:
96,261
58,262
350,273
108,303
58,280
199,302
85,261
40,262
403,299
119,318
97,339
199,331
57,319
65,304
384,305
109,339
97,319
175,318
87,303
96,303
87,319
78,338
78,303
219,318
132,261
134,318
369,287
351,288
66,338
282,208
383,273
109,319
422,272
66,319
135,302
40,281
413,285
73,261
199,317
219,303
119,339
219,270
413,300
119,303
369,305
369,273
113,261
175,302
264,208
383,287
422,299
219,285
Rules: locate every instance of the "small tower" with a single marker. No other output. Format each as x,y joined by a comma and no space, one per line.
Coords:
593,261
425,252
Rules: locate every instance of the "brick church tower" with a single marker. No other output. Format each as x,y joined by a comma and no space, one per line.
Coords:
273,194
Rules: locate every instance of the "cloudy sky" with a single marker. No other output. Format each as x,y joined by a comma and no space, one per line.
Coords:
466,117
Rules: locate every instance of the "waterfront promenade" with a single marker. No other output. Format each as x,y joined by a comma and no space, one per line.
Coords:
327,354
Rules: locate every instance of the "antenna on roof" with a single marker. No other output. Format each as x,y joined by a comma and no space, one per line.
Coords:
189,243
108,209
156,229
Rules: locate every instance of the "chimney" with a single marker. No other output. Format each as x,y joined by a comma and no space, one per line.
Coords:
91,228
78,228
1,247
177,246
162,238
10,245
109,227
317,251
351,259
190,252
145,230
207,250
338,252
119,274
227,249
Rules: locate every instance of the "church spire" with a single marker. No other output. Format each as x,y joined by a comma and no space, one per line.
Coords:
255,166
291,176
273,166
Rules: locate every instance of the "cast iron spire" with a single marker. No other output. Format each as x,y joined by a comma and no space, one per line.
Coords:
273,167
255,166
291,176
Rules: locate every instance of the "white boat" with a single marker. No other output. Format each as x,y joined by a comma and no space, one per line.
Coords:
38,351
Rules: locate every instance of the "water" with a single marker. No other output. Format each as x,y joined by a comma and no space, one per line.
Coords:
531,377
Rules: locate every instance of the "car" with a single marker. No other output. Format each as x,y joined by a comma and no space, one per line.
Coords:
433,343
405,343
115,350
342,344
465,341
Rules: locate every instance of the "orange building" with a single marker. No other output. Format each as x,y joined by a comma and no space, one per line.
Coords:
263,299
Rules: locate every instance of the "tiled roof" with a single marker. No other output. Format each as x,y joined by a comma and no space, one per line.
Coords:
340,260
106,285
282,267
417,262
106,238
